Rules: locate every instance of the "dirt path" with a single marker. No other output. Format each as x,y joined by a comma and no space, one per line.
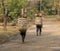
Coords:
49,41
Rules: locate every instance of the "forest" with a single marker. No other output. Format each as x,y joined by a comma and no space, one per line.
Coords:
13,8
10,10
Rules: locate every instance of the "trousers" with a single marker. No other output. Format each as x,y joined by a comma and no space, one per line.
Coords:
23,34
38,28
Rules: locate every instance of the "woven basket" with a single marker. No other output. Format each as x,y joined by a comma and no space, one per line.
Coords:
22,23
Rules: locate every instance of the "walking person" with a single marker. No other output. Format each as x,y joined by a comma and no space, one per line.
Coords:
22,25
38,22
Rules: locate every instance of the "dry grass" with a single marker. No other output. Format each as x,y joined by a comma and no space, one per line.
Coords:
5,35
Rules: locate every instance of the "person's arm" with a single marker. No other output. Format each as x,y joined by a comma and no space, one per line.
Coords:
42,21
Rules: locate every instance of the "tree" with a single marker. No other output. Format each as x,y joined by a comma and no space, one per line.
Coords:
14,7
47,7
3,11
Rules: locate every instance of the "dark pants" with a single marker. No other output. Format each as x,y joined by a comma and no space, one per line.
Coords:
23,34
38,29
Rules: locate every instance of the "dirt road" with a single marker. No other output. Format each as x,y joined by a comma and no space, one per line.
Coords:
48,41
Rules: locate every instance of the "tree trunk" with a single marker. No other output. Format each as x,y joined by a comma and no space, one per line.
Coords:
4,16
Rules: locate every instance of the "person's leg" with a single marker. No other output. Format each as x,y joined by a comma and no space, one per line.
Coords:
37,29
40,29
23,34
23,37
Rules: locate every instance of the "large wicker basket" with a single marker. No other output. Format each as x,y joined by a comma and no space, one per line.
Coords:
22,23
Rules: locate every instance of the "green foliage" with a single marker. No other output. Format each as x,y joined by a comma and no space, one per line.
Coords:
47,7
31,13
22,3
38,6
0,9
13,8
